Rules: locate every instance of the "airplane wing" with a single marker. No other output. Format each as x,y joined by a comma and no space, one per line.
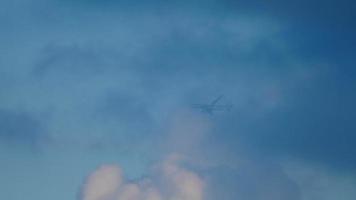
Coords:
215,107
200,106
216,100
222,107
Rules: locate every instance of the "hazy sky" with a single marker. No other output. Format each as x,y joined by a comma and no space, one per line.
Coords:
95,100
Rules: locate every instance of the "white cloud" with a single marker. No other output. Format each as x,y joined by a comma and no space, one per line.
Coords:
102,183
170,181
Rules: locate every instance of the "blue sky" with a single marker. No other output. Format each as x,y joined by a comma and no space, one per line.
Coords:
92,89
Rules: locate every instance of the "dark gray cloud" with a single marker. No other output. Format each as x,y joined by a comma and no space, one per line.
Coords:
20,127
129,112
171,58
69,59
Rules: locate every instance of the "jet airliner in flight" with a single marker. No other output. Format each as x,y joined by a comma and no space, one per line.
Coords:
213,106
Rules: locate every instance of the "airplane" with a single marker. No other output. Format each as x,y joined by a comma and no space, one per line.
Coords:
210,108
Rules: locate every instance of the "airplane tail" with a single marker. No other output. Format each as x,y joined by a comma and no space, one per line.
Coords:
216,100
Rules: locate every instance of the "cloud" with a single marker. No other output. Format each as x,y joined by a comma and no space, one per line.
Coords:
169,181
174,178
20,127
97,75
102,183
110,73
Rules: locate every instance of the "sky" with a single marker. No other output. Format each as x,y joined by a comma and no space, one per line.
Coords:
96,100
